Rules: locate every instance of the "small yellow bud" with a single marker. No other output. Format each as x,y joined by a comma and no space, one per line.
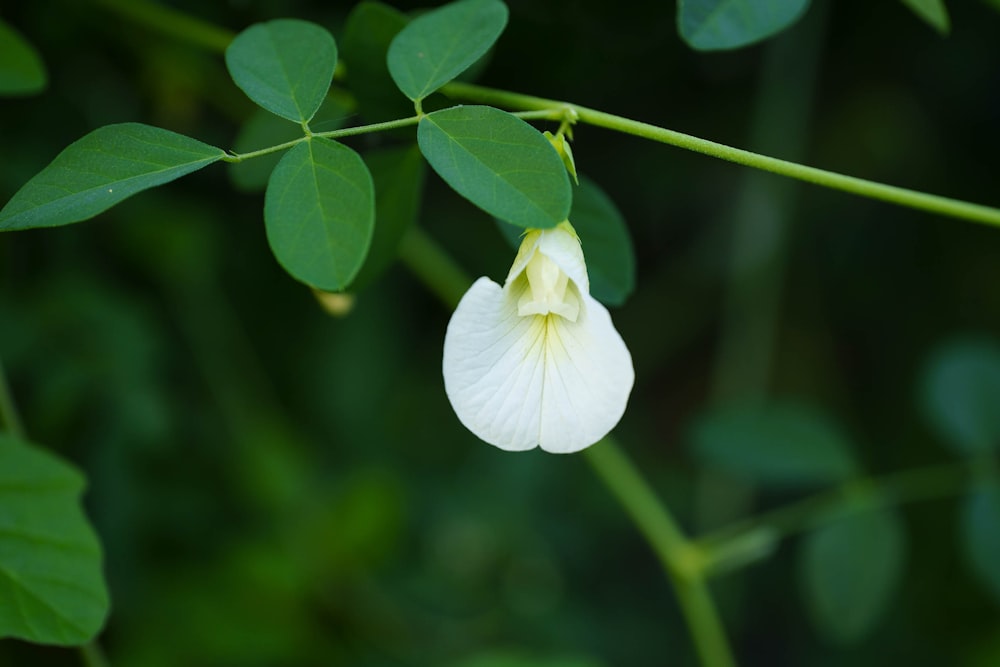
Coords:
338,304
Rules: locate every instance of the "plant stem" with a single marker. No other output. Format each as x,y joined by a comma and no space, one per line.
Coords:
904,197
236,158
374,127
541,114
332,134
759,221
171,22
890,490
434,267
680,558
214,38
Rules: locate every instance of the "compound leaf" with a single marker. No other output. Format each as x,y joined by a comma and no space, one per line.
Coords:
98,171
780,443
499,163
51,583
319,210
438,46
709,25
285,66
961,392
981,534
370,28
850,569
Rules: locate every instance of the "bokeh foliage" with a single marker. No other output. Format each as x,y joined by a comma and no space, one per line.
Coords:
272,485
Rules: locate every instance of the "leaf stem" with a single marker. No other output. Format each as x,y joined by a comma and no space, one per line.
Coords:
889,490
901,196
163,19
541,114
374,127
681,559
434,267
202,33
236,158
332,134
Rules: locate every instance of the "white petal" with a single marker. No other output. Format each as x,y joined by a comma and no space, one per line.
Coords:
561,246
517,382
492,375
587,381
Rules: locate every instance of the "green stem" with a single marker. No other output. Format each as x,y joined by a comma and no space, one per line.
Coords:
890,490
541,114
680,558
911,198
160,18
759,224
433,266
240,157
195,31
641,503
201,33
332,134
374,127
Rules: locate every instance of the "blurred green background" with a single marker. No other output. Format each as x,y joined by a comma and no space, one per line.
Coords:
276,486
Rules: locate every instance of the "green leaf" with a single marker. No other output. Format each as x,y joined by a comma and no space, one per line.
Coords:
981,534
369,30
319,210
499,163
100,170
21,69
961,393
285,66
780,443
933,12
398,174
264,129
51,584
709,25
439,45
850,570
607,245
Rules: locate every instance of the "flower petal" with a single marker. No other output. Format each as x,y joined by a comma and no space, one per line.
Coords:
587,380
561,246
517,382
492,375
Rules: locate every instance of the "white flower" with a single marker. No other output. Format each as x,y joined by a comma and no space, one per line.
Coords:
537,362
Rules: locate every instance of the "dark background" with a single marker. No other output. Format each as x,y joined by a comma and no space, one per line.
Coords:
275,486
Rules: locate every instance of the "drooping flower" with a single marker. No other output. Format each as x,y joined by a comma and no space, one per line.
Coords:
537,362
